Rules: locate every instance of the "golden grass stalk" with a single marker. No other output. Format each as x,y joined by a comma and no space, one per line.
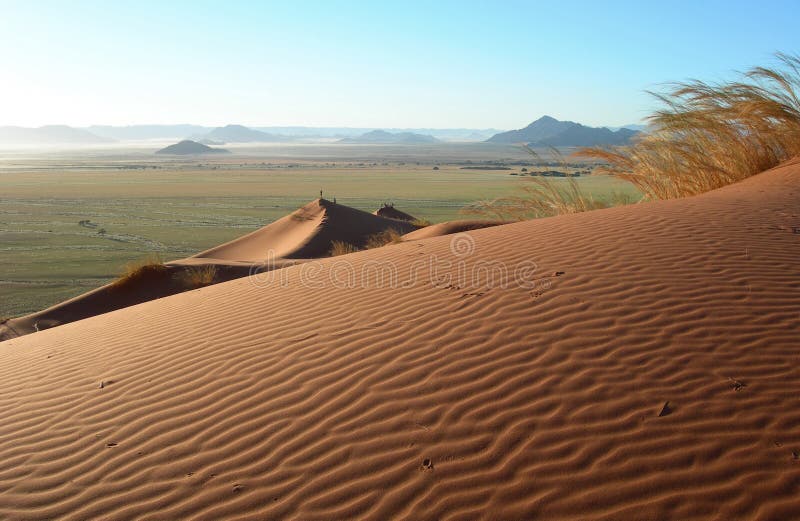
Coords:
342,248
708,135
197,276
388,236
541,198
421,223
138,271
544,197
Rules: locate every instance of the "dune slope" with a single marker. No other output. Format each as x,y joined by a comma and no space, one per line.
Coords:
449,228
441,398
306,233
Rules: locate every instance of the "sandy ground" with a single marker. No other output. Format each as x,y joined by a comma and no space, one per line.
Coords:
632,363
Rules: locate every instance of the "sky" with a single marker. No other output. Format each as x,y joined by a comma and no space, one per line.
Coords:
393,64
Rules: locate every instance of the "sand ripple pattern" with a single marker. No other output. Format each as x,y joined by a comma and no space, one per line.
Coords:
439,402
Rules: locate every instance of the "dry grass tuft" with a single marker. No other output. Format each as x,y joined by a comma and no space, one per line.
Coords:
388,236
342,248
194,277
138,271
708,135
544,197
421,223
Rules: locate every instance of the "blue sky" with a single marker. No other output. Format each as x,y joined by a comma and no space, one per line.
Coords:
369,64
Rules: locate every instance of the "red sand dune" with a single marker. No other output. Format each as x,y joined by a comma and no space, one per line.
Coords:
307,233
303,234
436,399
109,297
448,228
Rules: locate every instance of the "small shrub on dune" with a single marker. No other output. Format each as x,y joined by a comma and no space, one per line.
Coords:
388,236
139,271
194,277
342,248
708,135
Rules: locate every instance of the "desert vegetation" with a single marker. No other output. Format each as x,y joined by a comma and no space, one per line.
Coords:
342,248
543,197
708,135
194,277
377,240
136,272
421,223
547,196
389,236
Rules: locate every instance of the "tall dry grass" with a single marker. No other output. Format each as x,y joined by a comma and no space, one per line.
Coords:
194,277
387,236
342,248
544,197
708,135
134,272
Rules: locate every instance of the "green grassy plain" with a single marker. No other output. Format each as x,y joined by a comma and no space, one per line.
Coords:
136,204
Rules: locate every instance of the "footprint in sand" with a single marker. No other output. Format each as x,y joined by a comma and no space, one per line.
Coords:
737,385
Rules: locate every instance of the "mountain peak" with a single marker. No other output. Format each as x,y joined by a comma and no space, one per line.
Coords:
388,138
548,131
189,147
240,134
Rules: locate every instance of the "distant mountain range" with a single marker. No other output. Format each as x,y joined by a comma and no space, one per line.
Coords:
633,126
199,133
188,147
544,131
146,132
548,131
241,134
382,137
443,134
50,134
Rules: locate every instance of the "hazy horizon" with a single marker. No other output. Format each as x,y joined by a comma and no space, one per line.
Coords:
363,65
